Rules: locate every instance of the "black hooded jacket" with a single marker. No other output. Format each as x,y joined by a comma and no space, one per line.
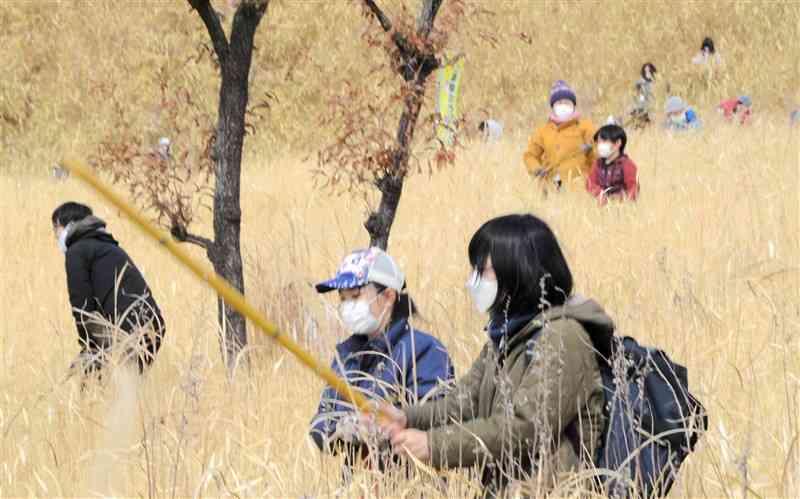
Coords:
102,279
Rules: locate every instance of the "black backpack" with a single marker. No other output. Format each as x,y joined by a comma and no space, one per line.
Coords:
652,421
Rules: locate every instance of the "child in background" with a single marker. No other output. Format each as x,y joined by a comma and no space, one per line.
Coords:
679,116
560,151
491,130
639,115
741,108
794,117
613,174
708,53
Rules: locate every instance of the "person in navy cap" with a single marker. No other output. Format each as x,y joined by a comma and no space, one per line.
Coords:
385,358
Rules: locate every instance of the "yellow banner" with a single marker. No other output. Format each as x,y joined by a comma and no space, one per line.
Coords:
449,89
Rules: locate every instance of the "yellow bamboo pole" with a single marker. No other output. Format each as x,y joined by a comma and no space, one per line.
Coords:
231,296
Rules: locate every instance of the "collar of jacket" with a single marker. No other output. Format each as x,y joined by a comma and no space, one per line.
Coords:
529,325
566,124
89,226
617,161
382,343
505,330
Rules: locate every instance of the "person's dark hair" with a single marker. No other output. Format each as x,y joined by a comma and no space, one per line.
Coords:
645,66
708,43
532,273
612,133
70,212
404,307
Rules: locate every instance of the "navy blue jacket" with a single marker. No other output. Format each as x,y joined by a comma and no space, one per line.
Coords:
401,366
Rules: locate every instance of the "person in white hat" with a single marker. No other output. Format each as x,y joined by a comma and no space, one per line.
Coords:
679,116
164,146
385,358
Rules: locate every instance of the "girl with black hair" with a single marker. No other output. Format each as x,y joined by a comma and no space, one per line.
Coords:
613,174
384,358
531,404
639,115
708,53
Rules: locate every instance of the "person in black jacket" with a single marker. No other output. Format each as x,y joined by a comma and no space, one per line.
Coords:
107,292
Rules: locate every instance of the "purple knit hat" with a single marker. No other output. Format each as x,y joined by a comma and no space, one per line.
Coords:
560,91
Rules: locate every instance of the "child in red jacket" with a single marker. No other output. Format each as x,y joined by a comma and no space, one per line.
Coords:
613,174
741,108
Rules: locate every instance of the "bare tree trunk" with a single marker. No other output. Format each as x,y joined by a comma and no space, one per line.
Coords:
379,224
416,68
225,252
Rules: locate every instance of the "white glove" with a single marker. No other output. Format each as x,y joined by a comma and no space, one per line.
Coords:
354,427
85,362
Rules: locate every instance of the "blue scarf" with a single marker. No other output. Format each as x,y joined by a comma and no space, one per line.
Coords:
499,329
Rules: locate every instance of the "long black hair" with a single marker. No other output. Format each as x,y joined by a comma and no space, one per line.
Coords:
404,307
708,43
612,133
651,67
532,273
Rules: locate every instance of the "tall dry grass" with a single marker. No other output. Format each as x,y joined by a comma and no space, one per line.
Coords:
705,265
59,54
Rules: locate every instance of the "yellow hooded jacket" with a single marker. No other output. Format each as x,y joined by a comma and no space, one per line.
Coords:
559,149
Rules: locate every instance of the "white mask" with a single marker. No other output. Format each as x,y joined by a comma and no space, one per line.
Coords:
483,291
604,149
62,238
563,110
357,316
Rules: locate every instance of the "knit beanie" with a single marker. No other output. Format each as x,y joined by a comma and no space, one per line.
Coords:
560,91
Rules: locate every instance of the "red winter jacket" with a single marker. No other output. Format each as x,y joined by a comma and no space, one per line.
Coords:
731,108
614,179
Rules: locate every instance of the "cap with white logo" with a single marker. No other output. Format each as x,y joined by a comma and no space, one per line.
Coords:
363,267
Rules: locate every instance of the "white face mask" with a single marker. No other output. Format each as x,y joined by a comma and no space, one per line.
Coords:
563,110
605,149
483,291
62,238
357,316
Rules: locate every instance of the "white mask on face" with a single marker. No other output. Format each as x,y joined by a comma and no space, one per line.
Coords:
604,149
483,292
357,316
676,118
563,110
62,238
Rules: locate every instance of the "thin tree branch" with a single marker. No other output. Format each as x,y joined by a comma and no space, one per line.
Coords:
413,58
426,17
214,27
407,50
386,24
201,241
180,234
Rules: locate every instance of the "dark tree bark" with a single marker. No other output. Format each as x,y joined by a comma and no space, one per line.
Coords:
417,63
225,250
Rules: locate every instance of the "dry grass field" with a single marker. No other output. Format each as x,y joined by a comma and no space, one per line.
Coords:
706,265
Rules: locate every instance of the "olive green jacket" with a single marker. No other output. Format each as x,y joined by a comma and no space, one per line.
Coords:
533,410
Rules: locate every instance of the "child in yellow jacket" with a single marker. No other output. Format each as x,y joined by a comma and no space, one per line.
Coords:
560,152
